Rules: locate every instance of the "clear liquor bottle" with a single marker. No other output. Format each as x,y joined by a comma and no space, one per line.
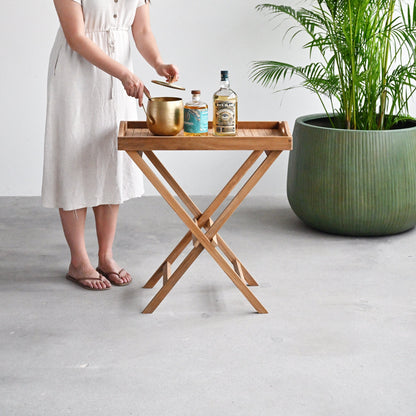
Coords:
195,116
225,111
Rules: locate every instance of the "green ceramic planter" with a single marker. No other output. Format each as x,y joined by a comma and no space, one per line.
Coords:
360,183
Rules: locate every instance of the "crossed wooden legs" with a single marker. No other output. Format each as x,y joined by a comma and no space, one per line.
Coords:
209,240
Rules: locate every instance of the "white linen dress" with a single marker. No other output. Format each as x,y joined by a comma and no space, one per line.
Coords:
82,166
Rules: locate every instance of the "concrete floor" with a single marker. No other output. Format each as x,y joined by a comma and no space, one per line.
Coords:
339,339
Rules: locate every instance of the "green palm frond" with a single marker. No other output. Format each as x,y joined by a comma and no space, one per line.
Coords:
327,85
269,73
400,86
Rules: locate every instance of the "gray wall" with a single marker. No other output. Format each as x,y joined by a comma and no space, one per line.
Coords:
201,37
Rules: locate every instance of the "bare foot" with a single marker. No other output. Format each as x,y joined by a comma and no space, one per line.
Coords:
114,272
87,270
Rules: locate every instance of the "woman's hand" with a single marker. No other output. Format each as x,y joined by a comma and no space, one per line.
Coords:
146,45
134,86
169,71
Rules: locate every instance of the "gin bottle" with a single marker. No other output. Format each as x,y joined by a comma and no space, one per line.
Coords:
195,116
225,114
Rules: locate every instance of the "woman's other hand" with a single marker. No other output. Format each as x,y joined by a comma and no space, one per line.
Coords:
146,45
134,86
169,71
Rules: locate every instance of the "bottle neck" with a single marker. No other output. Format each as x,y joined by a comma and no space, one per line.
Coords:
225,83
196,98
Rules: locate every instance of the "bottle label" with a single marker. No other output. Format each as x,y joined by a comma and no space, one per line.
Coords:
225,116
195,120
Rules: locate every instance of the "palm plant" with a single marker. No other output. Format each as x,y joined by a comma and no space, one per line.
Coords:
368,59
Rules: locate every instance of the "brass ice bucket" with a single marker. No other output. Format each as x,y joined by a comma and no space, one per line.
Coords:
164,115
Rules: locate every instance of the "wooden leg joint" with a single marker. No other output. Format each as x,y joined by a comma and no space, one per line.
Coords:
239,270
166,272
195,241
207,225
214,239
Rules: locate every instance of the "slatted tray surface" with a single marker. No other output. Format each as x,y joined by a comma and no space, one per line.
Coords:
252,135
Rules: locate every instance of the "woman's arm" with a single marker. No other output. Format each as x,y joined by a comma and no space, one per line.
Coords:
72,22
146,45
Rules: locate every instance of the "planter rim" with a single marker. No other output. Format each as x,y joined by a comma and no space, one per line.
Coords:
303,120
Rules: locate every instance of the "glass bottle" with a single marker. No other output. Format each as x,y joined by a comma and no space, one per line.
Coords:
225,114
195,116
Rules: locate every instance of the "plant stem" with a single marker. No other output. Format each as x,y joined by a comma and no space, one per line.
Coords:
385,64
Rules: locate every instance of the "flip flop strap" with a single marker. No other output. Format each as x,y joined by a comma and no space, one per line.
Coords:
108,274
89,278
117,274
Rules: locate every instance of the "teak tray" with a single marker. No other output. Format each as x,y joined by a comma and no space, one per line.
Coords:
252,135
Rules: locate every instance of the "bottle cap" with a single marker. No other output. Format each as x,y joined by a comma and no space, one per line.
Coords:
195,92
224,75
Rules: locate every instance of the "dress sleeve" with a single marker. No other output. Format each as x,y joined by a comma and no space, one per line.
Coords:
139,3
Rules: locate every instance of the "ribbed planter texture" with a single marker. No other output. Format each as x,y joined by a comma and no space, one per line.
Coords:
360,183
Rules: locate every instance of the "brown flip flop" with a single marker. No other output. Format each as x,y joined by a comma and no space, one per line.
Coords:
82,279
107,276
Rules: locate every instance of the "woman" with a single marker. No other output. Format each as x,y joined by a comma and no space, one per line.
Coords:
91,87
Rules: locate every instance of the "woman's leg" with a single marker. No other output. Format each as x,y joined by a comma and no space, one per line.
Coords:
106,224
73,223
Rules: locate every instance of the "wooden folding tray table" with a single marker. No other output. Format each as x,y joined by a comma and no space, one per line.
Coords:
268,138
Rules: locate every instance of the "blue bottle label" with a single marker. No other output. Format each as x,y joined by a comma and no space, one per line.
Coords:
195,120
